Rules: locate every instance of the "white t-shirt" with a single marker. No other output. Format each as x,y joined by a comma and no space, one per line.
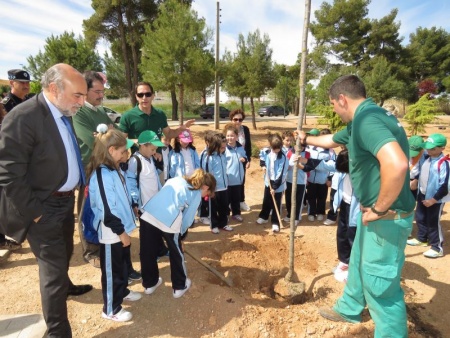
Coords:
188,161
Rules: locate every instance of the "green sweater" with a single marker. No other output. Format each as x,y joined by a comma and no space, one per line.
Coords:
85,123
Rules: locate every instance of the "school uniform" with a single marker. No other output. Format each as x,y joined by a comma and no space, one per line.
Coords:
169,215
112,219
183,163
301,186
235,174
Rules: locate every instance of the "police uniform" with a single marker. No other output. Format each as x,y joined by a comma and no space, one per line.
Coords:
11,100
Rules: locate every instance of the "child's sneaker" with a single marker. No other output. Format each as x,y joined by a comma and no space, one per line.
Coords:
416,242
261,221
149,291
179,293
275,228
133,296
205,220
431,253
244,206
227,228
320,218
287,219
311,218
121,316
329,222
215,230
134,275
237,218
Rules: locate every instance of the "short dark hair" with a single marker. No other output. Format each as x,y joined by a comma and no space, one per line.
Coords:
90,76
349,85
342,162
143,83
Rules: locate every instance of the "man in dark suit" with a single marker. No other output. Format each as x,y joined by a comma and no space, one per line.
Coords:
39,171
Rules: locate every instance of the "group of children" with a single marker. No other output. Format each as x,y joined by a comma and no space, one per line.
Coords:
121,189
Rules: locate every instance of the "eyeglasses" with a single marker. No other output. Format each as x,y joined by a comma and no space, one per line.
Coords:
141,95
238,120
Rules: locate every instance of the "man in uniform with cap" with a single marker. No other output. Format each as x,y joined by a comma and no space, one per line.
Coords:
20,88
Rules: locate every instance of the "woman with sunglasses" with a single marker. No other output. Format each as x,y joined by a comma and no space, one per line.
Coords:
237,116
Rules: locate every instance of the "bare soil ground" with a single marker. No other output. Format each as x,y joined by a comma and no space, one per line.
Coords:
256,261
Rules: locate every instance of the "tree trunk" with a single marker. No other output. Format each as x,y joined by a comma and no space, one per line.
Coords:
252,107
134,55
125,56
173,95
181,103
302,106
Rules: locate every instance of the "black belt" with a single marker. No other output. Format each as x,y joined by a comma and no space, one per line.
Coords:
63,193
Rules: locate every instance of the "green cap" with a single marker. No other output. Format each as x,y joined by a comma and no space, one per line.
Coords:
314,132
149,136
415,145
435,140
129,143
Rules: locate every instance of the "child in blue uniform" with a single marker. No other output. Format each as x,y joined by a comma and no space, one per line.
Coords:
236,161
275,165
169,214
183,159
114,219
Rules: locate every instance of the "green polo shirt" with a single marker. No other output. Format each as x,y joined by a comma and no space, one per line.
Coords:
135,121
85,123
372,127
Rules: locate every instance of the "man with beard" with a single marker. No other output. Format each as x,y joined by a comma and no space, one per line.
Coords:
40,167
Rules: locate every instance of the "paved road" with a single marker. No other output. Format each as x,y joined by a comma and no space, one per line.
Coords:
248,120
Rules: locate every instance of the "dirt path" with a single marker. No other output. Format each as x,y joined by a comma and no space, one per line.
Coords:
254,260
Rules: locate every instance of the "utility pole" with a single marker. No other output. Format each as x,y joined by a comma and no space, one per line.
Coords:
217,101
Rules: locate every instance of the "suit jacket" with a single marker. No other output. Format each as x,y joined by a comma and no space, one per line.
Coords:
33,165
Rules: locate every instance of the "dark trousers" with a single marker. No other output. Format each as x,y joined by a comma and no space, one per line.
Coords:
332,214
268,206
204,208
299,196
51,241
219,209
428,223
151,238
317,198
90,250
127,259
345,235
234,198
114,276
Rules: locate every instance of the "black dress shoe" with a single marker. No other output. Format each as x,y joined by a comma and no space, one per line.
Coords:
77,290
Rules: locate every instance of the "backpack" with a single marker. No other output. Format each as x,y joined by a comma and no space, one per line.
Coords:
445,159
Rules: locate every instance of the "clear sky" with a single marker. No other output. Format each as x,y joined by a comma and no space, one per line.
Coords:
26,24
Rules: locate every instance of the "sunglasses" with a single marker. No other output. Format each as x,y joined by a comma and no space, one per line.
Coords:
238,120
141,95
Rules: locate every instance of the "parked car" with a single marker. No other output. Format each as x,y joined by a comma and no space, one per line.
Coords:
208,112
113,115
271,111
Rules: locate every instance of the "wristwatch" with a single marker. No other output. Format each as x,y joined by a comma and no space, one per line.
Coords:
379,213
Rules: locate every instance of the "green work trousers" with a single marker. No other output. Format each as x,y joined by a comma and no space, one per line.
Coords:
376,263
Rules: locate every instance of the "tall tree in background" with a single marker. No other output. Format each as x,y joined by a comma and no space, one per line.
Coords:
65,48
429,54
121,23
233,74
174,52
253,60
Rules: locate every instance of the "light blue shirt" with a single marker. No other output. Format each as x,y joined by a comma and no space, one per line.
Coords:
73,177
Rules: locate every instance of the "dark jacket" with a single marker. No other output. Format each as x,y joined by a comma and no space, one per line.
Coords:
33,165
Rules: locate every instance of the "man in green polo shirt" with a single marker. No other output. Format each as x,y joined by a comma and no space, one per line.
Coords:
146,117
379,171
